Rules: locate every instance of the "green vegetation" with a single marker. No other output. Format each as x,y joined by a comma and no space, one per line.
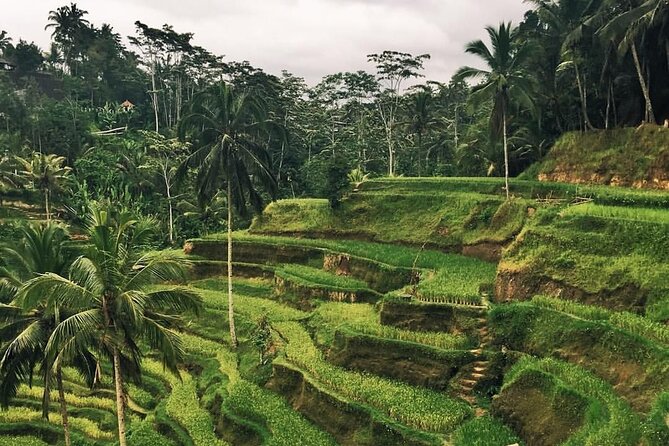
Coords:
622,157
520,187
619,213
609,420
610,255
21,441
421,409
629,322
243,397
456,276
317,277
444,219
529,309
460,282
87,427
183,406
483,431
635,365
362,318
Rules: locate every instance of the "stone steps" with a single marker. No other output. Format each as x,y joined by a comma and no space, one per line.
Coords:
477,371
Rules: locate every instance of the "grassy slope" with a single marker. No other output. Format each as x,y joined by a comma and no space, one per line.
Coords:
447,220
608,247
593,246
628,157
600,250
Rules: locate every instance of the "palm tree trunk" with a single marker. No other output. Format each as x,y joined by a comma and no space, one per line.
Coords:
63,404
120,397
608,106
46,204
506,154
46,397
650,115
231,312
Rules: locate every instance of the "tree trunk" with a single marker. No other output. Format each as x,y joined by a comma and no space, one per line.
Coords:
608,106
46,396
455,127
46,204
420,154
584,99
650,115
283,149
154,94
231,312
391,160
506,155
63,404
120,397
170,229
171,218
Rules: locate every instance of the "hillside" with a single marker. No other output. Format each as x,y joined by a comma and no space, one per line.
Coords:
421,312
584,364
633,157
593,244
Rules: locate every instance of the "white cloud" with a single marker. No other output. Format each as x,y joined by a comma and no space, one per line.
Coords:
310,38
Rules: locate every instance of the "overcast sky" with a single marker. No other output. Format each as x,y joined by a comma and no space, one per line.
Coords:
310,38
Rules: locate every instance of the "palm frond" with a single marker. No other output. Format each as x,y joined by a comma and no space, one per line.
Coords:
179,300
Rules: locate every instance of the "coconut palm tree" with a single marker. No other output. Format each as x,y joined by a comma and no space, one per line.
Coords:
26,330
566,23
421,120
113,301
45,173
505,81
628,28
225,126
67,23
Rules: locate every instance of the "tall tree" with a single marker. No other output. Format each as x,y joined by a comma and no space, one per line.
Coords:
112,294
505,81
27,57
226,127
421,118
393,69
67,24
164,50
165,157
565,23
629,28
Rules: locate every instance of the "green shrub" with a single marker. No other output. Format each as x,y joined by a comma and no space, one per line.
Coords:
144,433
336,181
21,441
484,431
